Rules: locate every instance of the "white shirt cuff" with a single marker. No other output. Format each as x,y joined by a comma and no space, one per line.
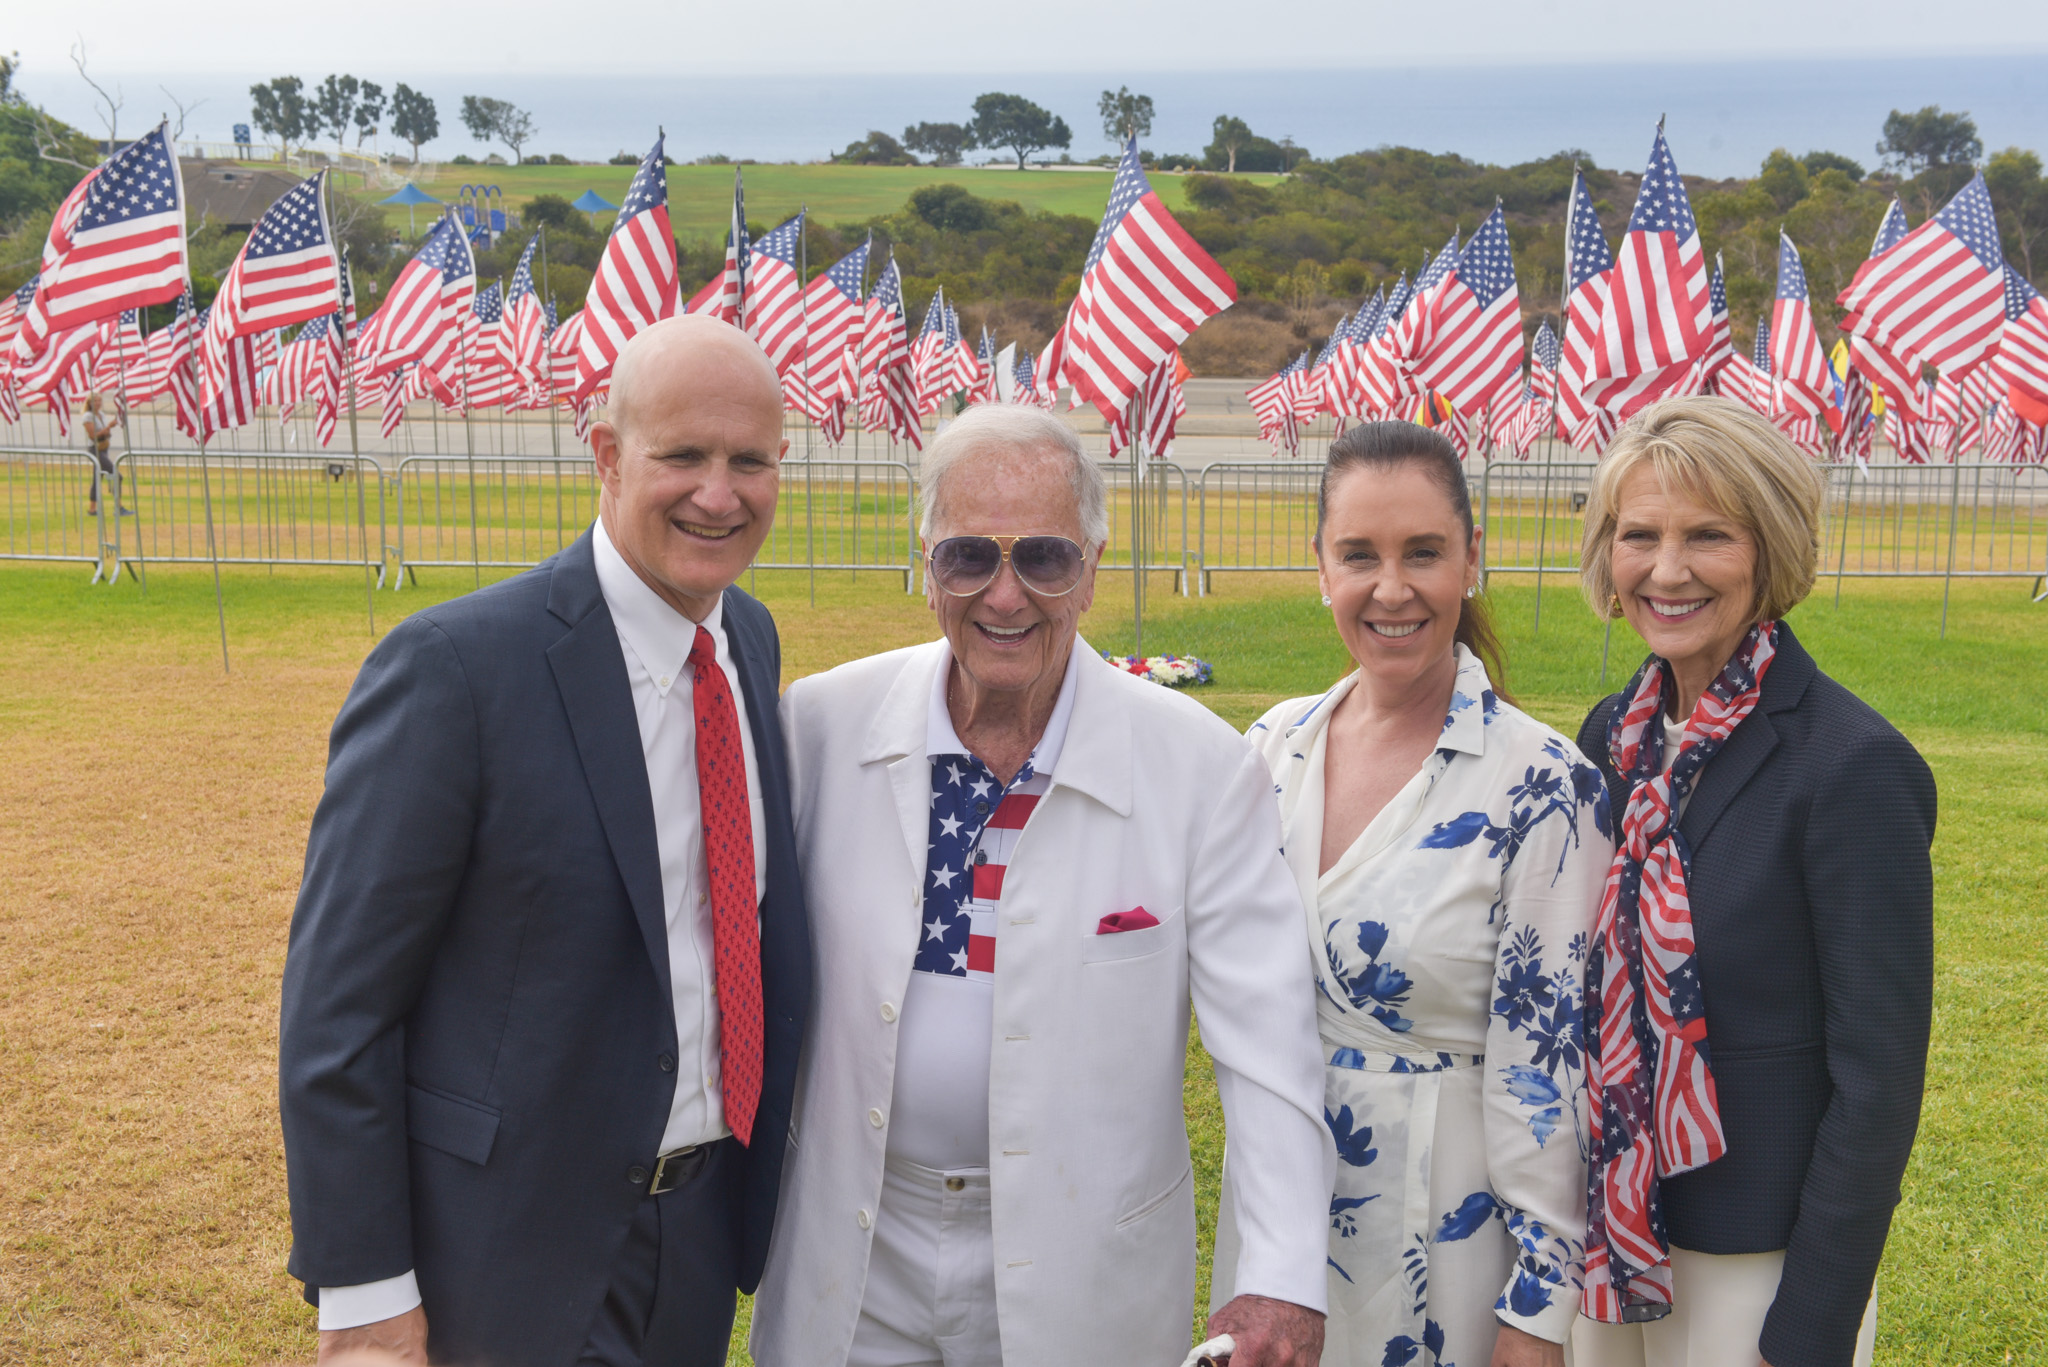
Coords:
346,1307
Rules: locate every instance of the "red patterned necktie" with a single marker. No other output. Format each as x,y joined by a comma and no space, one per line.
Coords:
729,869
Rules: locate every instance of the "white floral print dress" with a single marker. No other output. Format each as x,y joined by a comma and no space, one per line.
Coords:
1450,944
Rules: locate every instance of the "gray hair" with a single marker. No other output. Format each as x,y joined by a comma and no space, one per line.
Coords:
1013,429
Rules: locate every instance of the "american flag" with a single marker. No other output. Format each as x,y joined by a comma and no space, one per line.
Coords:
1973,400
1544,359
13,311
1414,325
2022,359
2005,437
117,242
391,399
1146,285
1908,435
983,387
1273,402
967,367
833,303
1858,427
489,380
287,272
1023,375
1323,382
228,374
309,371
888,391
1898,381
1051,363
1382,372
1473,350
1589,270
775,297
635,284
1797,362
1720,337
64,366
1937,297
1160,404
1656,317
121,349
1747,379
527,329
421,320
1349,394
928,354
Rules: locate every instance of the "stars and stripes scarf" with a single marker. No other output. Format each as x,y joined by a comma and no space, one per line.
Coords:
1655,1113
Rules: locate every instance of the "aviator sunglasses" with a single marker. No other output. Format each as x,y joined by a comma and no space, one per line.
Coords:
965,565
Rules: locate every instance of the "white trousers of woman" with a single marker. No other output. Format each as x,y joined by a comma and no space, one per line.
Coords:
1719,1301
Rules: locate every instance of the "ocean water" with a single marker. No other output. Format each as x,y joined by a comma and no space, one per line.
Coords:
1722,117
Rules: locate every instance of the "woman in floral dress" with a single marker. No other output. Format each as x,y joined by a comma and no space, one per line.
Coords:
1450,852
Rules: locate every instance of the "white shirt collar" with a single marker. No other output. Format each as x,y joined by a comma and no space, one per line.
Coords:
659,636
941,739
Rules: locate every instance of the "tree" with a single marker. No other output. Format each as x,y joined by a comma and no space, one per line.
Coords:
1927,138
2021,197
1124,115
413,117
1784,179
950,208
942,142
498,120
279,110
334,100
1014,122
9,64
369,111
876,149
1228,135
1817,162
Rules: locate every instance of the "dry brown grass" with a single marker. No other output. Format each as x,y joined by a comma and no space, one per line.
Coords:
152,823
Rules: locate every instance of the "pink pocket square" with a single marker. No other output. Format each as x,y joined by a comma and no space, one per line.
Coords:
1137,918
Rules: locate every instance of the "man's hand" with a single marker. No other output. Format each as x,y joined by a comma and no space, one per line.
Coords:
1270,1333
402,1338
1514,1347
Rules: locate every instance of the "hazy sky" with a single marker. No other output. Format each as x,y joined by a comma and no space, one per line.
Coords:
907,37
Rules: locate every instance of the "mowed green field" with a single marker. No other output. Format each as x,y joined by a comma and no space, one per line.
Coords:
700,197
155,811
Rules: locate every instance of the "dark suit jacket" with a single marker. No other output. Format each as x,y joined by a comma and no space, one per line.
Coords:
478,1046
1812,908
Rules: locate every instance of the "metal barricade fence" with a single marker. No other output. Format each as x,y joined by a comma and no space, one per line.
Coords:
486,513
849,515
268,509
1255,515
1148,507
43,501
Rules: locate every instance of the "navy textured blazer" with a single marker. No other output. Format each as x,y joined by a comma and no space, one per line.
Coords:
1812,908
478,1046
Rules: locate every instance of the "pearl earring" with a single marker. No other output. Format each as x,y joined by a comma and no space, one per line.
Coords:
1472,592
1326,600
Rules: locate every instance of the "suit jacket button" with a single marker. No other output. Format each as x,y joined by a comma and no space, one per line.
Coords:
637,1176
863,1219
875,1118
888,1013
666,1063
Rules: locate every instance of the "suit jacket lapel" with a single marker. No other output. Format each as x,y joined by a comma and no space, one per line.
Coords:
590,672
896,737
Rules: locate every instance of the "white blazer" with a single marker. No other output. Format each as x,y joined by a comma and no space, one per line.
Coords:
1155,802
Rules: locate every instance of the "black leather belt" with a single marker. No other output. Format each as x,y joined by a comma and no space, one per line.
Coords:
676,1167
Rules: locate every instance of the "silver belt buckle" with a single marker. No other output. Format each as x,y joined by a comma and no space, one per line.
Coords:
668,1169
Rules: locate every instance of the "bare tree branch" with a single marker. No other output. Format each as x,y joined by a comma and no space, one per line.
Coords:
113,102
50,143
185,111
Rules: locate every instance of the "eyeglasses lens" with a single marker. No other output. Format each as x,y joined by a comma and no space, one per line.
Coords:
1050,564
965,564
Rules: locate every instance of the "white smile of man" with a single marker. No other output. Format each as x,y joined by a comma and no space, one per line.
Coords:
1005,636
702,530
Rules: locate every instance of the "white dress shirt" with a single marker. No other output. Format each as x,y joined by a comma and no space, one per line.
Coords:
655,640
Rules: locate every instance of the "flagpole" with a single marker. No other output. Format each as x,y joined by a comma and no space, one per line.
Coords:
205,478
803,299
128,447
355,448
469,447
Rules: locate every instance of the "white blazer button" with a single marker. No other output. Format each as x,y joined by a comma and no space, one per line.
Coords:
889,1013
875,1118
863,1219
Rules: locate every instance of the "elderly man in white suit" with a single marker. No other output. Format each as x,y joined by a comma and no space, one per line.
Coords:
1022,865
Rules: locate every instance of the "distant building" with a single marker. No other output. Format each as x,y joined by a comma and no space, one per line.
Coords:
229,194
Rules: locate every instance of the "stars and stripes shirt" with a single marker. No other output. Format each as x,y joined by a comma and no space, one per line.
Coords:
939,1115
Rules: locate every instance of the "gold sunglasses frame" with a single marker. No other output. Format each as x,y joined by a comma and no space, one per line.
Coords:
1003,545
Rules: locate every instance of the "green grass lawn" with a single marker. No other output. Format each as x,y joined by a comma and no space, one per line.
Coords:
1965,1278
700,197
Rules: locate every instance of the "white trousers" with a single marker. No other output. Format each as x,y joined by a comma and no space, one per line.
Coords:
931,1290
1719,1301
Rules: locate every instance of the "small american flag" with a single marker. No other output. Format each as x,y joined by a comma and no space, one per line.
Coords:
1145,287
824,382
1382,373
635,283
1937,297
1720,336
1273,403
117,242
488,377
929,362
1051,363
528,328
775,297
1589,269
287,272
1655,317
967,368
1747,379
1415,324
2022,359
1897,381
1474,347
1853,441
121,348
421,320
1798,363
888,391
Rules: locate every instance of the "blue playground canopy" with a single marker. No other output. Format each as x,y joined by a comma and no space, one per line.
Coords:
590,202
411,194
